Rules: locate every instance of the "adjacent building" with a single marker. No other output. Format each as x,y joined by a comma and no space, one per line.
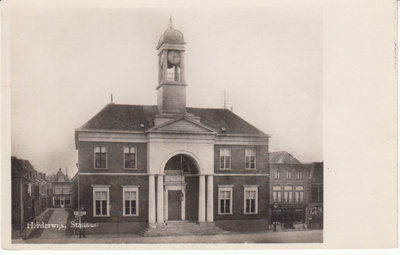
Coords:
60,190
295,191
28,195
148,165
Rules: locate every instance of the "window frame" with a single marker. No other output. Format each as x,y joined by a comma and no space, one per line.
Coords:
289,174
129,147
230,158
130,188
250,188
278,192
94,157
299,191
299,174
225,188
254,149
101,188
289,192
278,174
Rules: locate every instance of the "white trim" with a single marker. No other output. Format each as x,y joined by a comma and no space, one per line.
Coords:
94,157
130,188
101,188
108,173
225,188
197,161
90,130
250,188
123,162
266,175
113,139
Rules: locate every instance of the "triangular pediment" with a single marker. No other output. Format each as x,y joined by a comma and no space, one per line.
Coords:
182,124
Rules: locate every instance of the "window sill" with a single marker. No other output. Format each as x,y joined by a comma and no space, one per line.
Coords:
131,168
100,168
250,169
101,216
250,213
224,213
225,169
130,215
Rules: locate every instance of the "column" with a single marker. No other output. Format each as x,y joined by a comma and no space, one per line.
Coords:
152,200
160,199
210,200
202,198
165,205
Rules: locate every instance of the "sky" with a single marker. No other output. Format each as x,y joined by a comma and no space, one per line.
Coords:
65,63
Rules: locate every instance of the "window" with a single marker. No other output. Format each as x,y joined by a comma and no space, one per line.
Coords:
299,174
288,194
130,200
250,199
289,174
225,200
316,194
100,157
299,194
250,158
66,189
225,158
277,193
101,200
277,174
129,157
57,189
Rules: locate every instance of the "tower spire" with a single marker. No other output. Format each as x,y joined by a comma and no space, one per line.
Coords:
170,22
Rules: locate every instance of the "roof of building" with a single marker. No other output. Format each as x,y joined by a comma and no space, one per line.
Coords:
59,177
282,157
317,174
24,168
171,35
132,117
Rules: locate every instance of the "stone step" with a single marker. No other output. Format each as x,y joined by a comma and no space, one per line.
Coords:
183,228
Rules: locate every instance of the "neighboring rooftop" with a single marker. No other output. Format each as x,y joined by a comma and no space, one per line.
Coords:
59,177
140,118
282,157
24,168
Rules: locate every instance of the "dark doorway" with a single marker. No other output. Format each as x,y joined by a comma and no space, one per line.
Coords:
174,205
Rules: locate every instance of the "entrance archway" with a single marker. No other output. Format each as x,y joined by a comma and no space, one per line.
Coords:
181,195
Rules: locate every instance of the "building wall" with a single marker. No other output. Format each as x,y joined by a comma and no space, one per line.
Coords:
238,196
294,181
238,159
115,156
116,206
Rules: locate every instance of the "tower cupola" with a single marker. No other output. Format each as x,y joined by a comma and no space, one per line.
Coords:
171,90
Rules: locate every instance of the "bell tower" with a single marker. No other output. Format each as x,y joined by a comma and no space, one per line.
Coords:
171,89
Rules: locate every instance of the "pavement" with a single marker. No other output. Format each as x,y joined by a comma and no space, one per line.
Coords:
309,236
56,226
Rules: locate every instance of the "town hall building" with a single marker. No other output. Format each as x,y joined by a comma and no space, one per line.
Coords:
147,166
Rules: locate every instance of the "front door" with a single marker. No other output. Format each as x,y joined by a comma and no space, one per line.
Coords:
62,203
174,205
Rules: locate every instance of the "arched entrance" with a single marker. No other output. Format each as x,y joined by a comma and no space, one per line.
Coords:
181,188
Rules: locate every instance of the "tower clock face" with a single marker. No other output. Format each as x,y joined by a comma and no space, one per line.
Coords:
174,58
